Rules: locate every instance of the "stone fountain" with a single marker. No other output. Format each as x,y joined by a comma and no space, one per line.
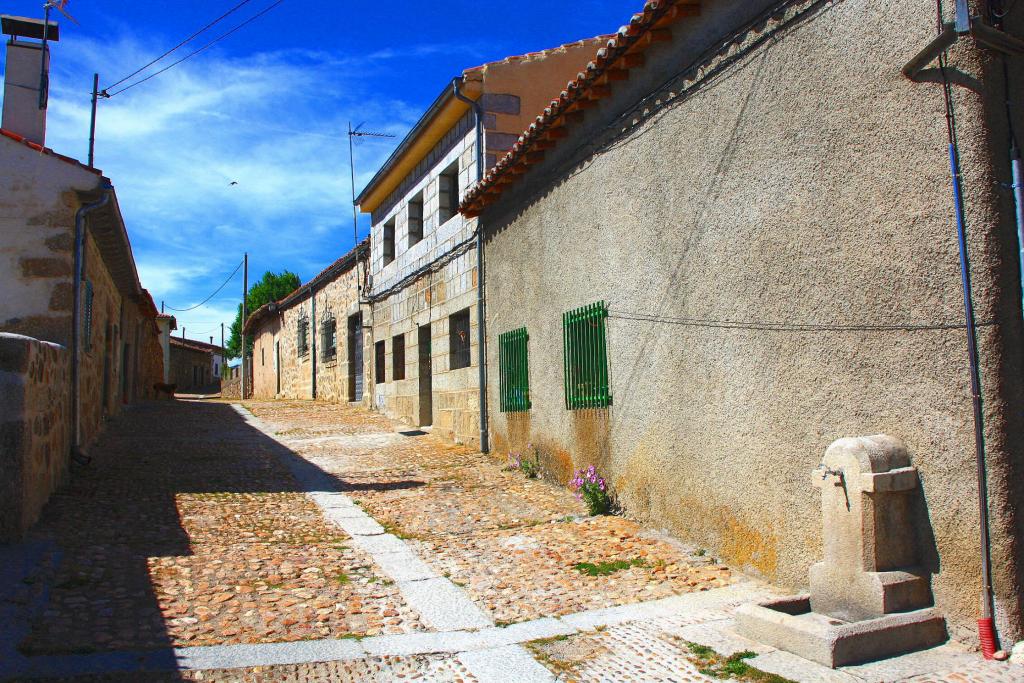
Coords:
868,598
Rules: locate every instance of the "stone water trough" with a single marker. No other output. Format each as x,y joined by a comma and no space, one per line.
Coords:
869,598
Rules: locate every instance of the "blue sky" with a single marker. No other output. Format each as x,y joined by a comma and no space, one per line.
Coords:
267,107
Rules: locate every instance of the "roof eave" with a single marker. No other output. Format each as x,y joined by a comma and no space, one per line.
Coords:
391,173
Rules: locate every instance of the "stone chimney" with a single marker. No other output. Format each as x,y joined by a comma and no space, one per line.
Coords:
26,76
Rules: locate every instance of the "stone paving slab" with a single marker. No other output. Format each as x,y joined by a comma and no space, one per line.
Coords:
504,664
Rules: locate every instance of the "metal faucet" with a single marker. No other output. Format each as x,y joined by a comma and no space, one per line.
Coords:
826,471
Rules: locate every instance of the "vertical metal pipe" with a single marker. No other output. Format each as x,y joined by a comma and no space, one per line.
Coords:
972,358
1018,200
44,77
312,342
481,324
355,214
245,314
92,121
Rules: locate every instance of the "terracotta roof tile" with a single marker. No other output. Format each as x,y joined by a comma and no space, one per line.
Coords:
46,150
527,149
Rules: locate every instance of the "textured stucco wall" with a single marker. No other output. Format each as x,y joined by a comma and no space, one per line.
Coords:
808,183
264,374
35,434
37,227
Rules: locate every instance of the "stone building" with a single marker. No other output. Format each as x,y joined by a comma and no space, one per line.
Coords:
166,324
65,370
195,366
425,360
313,342
731,241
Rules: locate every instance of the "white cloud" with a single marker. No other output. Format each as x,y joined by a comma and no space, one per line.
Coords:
273,122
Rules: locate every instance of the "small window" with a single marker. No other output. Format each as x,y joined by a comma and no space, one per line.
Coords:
398,357
513,371
458,339
87,322
379,355
389,240
263,355
586,357
302,331
329,337
448,193
416,218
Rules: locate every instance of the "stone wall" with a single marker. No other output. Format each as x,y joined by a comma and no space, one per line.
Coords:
431,298
275,345
35,428
776,241
102,338
191,370
230,387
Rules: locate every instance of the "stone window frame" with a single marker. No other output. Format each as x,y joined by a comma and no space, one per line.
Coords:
379,362
459,345
302,335
450,193
398,357
329,338
415,210
388,240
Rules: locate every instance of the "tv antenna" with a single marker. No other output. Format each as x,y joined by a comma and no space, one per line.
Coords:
44,79
357,133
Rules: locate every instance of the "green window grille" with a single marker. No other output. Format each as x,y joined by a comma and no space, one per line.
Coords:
302,335
586,357
329,338
87,326
514,371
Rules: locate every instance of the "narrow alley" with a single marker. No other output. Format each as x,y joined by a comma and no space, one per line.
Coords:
305,541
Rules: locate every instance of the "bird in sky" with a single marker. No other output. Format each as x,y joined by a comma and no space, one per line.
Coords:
233,182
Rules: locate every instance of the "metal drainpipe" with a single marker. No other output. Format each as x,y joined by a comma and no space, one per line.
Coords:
1018,200
312,341
481,326
76,319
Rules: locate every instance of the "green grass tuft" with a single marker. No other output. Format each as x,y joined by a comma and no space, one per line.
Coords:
606,568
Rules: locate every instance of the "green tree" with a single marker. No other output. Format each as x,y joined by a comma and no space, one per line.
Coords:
271,287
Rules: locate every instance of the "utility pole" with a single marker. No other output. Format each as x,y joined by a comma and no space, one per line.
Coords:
245,314
96,94
356,133
222,335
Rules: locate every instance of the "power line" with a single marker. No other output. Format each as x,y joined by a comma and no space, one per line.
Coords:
204,47
184,310
187,40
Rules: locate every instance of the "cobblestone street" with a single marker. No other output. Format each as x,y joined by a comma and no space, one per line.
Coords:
305,541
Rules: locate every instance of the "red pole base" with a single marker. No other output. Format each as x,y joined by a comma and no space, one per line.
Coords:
987,635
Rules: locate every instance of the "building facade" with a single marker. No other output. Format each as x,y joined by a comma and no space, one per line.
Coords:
65,369
424,271
312,344
709,260
195,366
